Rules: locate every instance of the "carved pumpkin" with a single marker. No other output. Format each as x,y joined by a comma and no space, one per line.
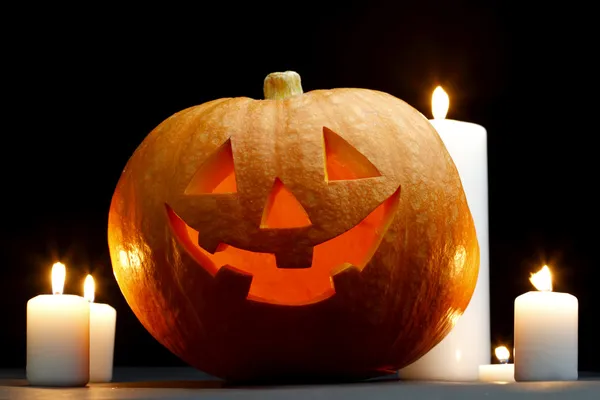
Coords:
312,235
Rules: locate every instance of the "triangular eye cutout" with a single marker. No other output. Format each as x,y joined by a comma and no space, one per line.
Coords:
216,174
343,161
283,210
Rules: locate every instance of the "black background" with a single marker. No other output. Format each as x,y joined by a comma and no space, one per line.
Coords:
82,87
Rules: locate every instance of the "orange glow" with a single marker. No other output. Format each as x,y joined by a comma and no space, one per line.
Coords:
288,285
294,286
216,175
343,161
283,210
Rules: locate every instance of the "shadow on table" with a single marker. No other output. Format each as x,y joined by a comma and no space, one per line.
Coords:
175,378
216,383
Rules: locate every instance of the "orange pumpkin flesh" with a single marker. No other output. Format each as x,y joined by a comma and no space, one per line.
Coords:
323,234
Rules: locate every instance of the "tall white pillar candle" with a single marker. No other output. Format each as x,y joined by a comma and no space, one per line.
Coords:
103,320
546,333
458,356
58,337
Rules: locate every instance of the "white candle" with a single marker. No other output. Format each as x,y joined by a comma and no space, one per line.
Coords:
546,325
103,320
458,356
58,336
503,372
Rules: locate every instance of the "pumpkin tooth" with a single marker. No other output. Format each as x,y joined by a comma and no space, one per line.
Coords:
209,244
295,259
232,282
345,278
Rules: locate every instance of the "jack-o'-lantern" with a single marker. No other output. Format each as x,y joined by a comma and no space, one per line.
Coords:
311,235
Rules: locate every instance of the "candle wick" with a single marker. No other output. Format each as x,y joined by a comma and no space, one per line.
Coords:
503,361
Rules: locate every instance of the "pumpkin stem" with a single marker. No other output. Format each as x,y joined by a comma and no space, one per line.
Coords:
282,85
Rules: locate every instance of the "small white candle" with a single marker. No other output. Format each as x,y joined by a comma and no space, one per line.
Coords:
546,329
58,336
458,356
103,320
503,372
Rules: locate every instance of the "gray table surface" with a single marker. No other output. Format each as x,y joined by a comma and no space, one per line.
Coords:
187,383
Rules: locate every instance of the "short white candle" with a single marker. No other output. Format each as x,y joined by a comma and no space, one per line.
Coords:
546,332
103,320
58,336
503,372
458,356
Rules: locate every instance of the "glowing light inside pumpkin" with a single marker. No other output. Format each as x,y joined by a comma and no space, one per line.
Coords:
440,103
89,288
271,281
294,286
59,273
343,161
283,210
542,280
216,174
502,354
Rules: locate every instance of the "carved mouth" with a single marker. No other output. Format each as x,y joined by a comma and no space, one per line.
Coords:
271,284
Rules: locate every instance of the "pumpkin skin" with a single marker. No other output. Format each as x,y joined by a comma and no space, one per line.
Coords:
318,235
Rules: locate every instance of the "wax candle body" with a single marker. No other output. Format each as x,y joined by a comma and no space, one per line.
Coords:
458,356
102,341
58,340
546,336
497,373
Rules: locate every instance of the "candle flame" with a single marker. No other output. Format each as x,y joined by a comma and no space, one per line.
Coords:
440,102
89,288
59,273
502,354
542,280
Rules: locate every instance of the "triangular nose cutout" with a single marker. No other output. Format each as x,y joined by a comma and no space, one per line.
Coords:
283,210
